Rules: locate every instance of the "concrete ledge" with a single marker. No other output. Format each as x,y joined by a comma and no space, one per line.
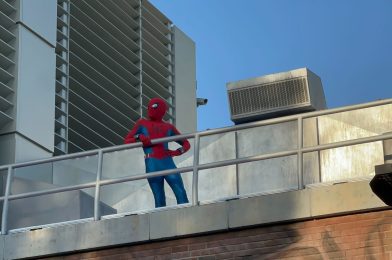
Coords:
309,203
186,221
269,208
343,197
75,237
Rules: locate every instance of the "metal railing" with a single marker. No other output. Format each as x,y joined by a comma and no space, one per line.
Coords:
195,168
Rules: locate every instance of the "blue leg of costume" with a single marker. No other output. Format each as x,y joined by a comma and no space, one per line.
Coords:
157,183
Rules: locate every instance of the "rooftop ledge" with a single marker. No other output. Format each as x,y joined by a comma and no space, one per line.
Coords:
314,201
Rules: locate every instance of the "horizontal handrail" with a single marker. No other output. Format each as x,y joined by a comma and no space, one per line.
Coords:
202,166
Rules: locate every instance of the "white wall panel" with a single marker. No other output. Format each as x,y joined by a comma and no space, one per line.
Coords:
185,82
36,89
40,16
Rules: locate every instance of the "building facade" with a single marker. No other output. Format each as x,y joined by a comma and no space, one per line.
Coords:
76,75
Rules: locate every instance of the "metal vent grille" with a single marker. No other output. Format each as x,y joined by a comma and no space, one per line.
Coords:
262,98
7,60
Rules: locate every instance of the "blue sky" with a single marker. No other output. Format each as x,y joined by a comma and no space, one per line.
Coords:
348,43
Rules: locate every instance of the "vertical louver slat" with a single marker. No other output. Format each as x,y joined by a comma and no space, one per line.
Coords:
7,61
62,80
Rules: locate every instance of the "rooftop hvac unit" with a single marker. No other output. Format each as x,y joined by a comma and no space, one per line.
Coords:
275,95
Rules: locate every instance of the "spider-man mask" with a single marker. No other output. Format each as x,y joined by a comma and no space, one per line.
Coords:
156,109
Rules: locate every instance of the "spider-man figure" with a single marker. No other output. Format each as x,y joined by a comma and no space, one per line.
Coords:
158,157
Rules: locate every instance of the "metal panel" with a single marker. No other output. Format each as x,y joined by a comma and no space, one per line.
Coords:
275,95
40,16
358,160
36,89
185,82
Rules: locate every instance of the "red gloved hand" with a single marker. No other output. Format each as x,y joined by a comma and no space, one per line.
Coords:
145,140
177,152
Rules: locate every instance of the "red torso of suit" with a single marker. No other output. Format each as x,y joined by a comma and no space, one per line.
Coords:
155,130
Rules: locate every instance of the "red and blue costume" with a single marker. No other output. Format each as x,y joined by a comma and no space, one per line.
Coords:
158,156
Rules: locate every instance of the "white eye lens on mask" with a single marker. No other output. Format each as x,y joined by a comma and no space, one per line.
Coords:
154,105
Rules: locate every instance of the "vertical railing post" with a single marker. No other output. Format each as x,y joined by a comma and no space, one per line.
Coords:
300,154
237,182
195,182
97,210
4,218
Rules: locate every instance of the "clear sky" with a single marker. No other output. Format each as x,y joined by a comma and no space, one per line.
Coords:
348,43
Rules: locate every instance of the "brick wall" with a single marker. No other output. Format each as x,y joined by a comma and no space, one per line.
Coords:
358,236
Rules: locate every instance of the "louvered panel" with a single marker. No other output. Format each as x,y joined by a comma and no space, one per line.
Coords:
80,79
155,32
151,92
96,76
7,8
7,62
129,6
153,73
154,21
104,72
102,108
163,60
4,104
73,148
89,134
269,96
79,140
121,81
152,83
5,19
275,95
99,127
97,23
156,13
158,67
62,81
86,37
107,12
159,46
103,58
5,90
127,15
5,34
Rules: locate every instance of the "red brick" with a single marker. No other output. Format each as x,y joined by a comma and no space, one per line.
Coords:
180,248
180,255
229,255
385,227
197,246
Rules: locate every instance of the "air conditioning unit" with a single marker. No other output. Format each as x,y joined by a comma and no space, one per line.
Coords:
275,95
